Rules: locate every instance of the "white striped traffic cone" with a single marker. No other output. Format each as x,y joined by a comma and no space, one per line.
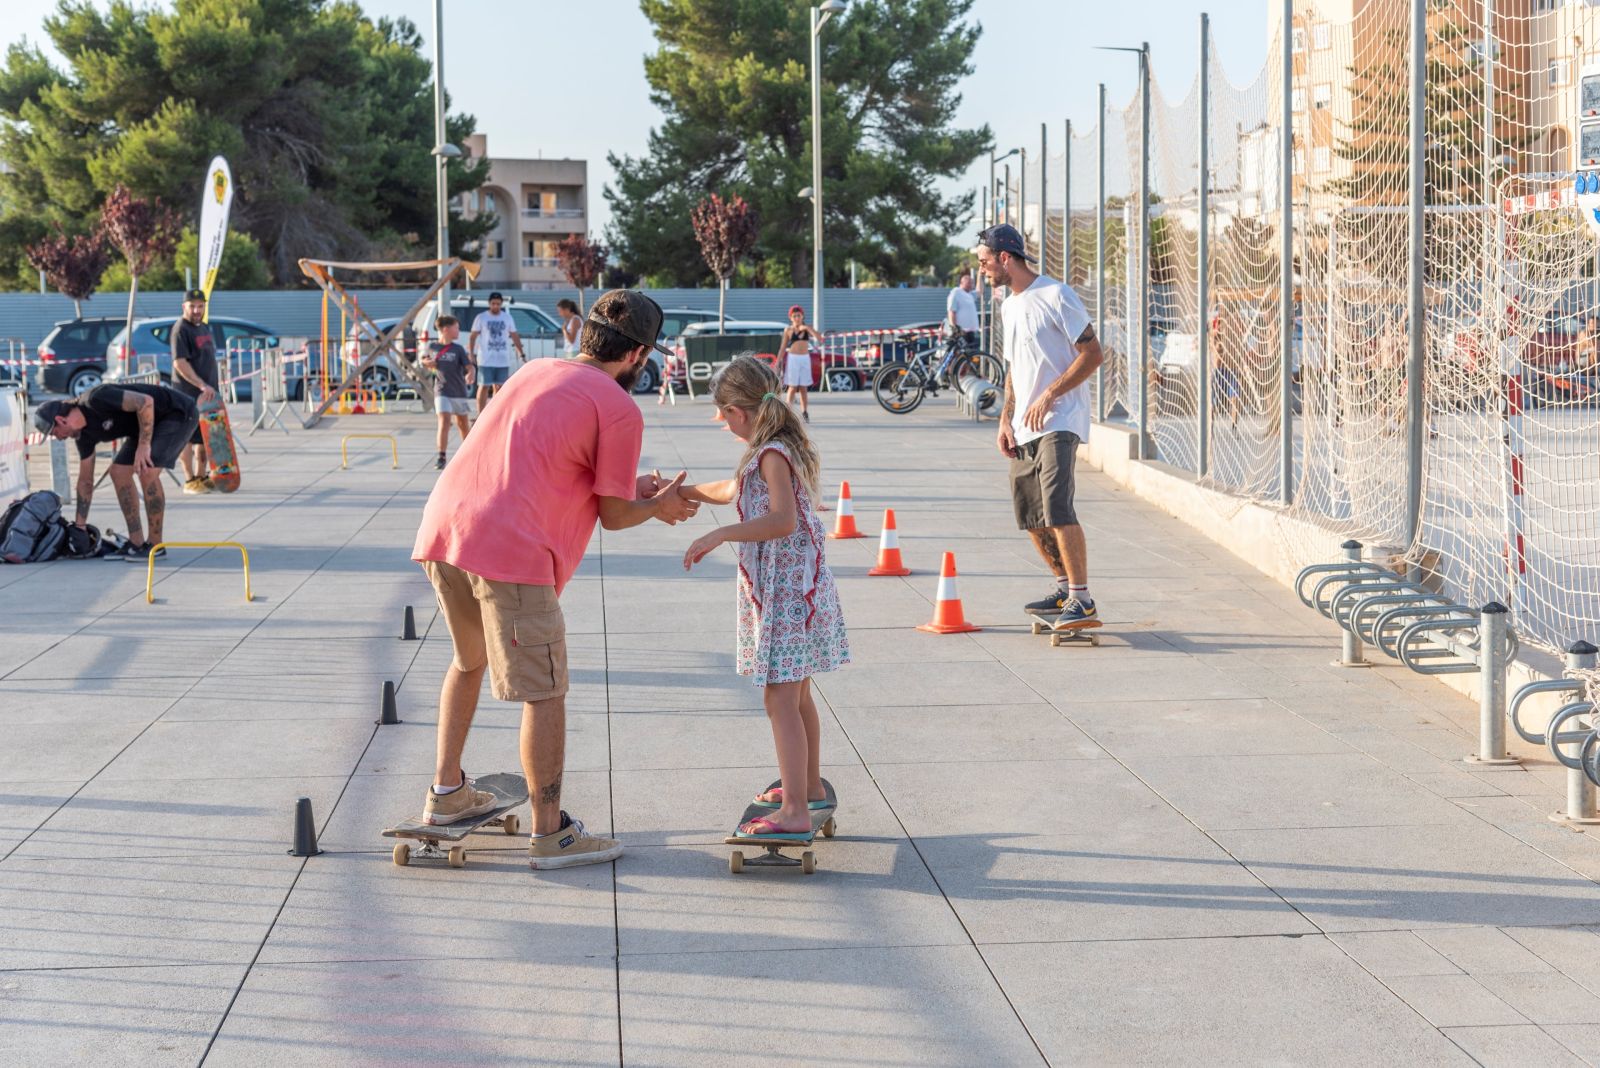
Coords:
889,549
844,526
947,615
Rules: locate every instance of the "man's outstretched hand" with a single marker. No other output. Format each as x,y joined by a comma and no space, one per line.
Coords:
671,505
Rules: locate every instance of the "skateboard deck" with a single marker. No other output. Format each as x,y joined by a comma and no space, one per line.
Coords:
221,457
821,820
510,790
1081,633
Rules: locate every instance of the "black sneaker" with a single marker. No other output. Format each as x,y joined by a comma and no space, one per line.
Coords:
138,554
806,416
1048,606
438,465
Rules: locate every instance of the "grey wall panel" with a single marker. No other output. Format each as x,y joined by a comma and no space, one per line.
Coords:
28,317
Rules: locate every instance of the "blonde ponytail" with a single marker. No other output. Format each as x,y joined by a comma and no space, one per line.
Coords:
750,384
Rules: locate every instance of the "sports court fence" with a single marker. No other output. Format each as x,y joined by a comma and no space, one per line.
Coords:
1356,284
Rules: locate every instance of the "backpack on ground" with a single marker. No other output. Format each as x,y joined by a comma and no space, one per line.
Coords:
30,529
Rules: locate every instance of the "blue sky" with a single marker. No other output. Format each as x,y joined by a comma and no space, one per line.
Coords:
514,64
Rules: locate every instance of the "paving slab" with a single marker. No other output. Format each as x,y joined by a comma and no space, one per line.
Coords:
924,1005
132,1016
1514,1046
1202,1001
545,1009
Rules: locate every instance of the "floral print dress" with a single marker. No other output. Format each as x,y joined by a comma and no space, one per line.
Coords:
790,623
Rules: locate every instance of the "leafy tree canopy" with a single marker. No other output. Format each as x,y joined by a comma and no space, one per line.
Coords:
732,77
325,116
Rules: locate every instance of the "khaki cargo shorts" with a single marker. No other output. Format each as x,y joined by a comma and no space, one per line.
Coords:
518,629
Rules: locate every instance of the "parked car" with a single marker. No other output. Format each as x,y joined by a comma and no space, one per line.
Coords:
844,370
151,349
72,356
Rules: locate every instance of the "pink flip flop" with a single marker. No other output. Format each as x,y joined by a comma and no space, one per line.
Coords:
761,827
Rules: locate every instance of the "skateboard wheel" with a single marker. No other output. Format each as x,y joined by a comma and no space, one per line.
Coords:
1055,641
458,857
510,824
402,854
1094,640
808,862
1038,628
828,828
736,862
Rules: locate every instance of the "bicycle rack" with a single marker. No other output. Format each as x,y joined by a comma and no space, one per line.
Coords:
1429,635
1576,750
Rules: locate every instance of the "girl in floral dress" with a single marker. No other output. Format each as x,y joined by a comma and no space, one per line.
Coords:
790,626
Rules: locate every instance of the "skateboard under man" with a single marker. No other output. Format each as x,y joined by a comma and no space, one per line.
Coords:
510,791
221,456
1080,632
821,820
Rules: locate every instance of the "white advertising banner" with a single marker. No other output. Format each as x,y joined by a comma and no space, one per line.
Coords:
13,460
215,202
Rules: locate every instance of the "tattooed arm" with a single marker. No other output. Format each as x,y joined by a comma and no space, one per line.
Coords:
145,409
1007,439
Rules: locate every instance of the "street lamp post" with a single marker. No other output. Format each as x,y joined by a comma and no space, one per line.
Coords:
994,218
443,152
819,18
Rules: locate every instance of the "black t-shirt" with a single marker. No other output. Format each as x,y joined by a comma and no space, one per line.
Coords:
104,419
195,343
451,362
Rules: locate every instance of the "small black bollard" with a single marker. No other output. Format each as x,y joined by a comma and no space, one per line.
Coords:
389,716
305,830
408,631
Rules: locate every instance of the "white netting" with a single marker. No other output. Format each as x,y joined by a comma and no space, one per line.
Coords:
1510,457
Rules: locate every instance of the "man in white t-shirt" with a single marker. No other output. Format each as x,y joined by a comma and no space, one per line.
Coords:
499,333
961,312
1052,351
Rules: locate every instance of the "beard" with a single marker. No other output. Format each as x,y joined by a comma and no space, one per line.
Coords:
630,378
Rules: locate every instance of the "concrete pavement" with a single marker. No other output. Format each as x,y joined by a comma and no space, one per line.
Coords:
1198,843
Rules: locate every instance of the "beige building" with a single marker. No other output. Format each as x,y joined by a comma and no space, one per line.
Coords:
537,202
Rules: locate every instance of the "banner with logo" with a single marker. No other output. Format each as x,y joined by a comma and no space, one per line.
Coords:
214,204
13,458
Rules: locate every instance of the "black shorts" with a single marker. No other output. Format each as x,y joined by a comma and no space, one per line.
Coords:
167,439
196,438
1042,482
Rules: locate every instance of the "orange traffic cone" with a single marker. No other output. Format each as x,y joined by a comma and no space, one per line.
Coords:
889,549
845,525
947,617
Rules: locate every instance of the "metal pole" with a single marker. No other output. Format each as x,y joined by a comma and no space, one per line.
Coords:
1144,251
1580,808
1022,195
986,297
1203,253
1492,649
1415,310
816,169
1350,652
1488,107
1286,268
440,164
1044,199
1100,255
1005,215
1066,205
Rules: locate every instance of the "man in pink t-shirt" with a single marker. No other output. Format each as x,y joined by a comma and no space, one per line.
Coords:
504,530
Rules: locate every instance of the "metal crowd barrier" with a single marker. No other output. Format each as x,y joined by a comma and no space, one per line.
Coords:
1424,631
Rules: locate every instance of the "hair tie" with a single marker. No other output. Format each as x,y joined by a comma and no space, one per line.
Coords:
768,396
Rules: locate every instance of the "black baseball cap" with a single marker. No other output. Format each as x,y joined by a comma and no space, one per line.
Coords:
195,294
44,416
496,296
640,322
1004,237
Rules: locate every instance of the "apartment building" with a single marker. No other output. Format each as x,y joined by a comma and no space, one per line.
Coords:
536,202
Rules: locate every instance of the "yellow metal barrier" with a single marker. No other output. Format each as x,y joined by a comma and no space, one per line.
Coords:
344,448
150,569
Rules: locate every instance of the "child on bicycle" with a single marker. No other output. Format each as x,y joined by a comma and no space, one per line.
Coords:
790,626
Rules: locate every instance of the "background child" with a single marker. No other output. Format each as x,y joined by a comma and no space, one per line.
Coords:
453,398
790,626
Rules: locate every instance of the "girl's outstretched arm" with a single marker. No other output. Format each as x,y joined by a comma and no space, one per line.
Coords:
777,523
712,492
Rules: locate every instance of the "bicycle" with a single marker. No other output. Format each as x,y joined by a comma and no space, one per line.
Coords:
901,387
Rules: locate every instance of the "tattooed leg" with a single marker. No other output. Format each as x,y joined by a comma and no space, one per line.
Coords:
1049,548
544,753
127,500
155,504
